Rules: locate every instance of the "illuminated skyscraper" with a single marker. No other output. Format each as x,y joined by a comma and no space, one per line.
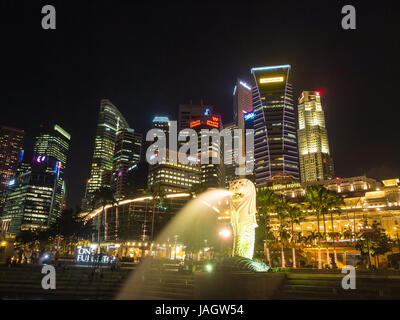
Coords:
11,141
315,160
126,158
242,102
110,122
35,198
275,140
211,174
190,112
52,144
172,177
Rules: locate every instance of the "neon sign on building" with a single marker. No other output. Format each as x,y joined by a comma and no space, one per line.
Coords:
271,80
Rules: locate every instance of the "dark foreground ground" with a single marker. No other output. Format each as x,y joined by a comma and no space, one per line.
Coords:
24,282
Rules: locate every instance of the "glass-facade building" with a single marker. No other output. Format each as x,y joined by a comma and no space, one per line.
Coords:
315,160
127,156
35,198
275,130
110,122
11,143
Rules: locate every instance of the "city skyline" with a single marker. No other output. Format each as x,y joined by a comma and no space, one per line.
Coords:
138,95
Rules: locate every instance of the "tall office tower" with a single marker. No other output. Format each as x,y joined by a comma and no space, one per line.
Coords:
34,198
211,174
53,142
275,140
52,148
110,122
249,125
190,112
127,154
173,177
315,160
242,102
230,169
11,142
161,122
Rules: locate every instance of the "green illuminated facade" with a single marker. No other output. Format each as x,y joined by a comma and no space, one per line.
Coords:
36,197
110,122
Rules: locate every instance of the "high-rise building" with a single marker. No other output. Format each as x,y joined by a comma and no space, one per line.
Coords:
52,144
35,197
315,160
11,142
127,155
161,122
211,174
190,112
173,177
275,132
110,122
242,102
230,169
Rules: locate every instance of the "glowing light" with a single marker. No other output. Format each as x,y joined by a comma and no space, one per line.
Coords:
270,68
12,182
317,93
245,85
271,80
209,268
225,233
213,123
249,115
234,90
3,244
194,123
207,112
160,119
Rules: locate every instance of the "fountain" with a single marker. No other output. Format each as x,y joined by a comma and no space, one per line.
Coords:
198,220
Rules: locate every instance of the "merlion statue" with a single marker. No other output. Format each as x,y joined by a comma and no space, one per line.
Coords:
243,217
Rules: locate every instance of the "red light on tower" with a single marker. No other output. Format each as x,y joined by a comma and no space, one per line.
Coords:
317,93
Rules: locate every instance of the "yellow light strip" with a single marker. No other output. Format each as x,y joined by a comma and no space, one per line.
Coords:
269,80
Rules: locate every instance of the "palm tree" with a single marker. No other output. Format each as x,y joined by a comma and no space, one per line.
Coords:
158,195
103,196
334,202
266,200
295,216
316,200
282,205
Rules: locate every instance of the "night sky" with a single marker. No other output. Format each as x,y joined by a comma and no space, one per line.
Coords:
148,58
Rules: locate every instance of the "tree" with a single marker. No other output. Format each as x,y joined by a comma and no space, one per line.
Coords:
266,200
373,241
158,196
295,216
103,196
317,201
334,203
282,205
